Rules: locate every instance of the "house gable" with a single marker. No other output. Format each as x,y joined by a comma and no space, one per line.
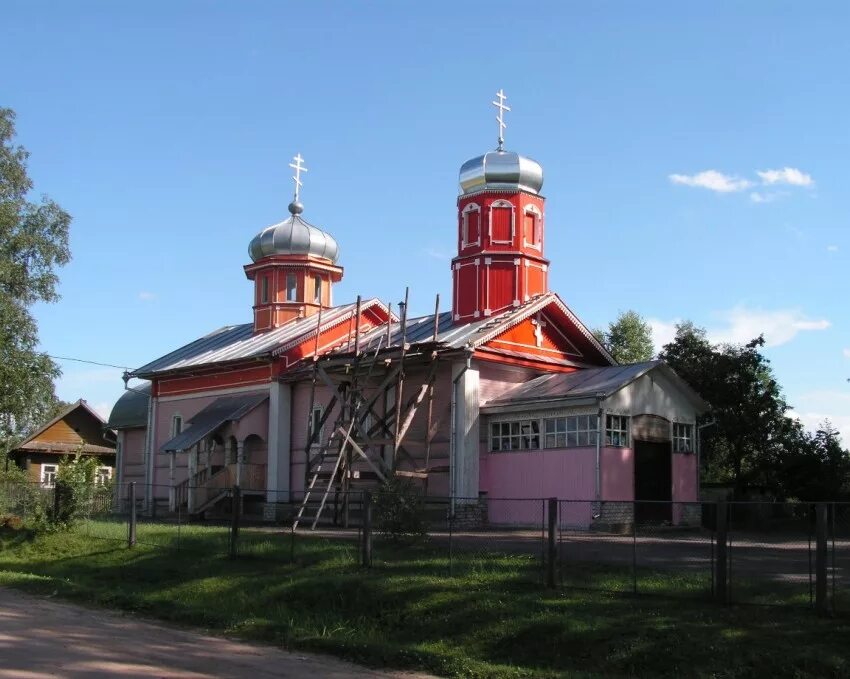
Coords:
549,332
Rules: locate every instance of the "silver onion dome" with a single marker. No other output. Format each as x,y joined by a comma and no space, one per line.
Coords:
294,236
501,170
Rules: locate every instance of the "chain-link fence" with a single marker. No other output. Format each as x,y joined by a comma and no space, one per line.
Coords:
738,552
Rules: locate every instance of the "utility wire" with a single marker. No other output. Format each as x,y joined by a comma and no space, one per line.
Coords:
82,360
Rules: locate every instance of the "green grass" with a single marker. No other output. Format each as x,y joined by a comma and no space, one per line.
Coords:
491,619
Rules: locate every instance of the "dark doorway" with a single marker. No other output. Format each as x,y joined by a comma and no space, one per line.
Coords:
653,482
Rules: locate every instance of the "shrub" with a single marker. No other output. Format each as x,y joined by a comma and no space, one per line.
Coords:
399,511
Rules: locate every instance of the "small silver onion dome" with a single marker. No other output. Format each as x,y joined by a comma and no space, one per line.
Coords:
294,236
501,170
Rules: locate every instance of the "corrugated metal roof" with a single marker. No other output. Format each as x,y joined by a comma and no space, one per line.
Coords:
421,329
238,342
586,383
131,410
224,409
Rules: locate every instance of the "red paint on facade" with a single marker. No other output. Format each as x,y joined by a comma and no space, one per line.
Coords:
500,260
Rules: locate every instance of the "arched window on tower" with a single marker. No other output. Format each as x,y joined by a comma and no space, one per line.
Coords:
291,287
501,222
264,290
471,225
532,226
317,289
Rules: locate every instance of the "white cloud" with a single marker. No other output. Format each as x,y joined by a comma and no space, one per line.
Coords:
832,248
663,332
741,324
779,326
813,407
757,197
846,353
146,296
787,175
713,181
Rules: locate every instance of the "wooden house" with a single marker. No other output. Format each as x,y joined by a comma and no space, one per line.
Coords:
76,430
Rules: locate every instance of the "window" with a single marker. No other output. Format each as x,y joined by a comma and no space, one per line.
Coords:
315,420
471,224
264,291
48,475
176,425
683,438
569,432
317,290
531,226
617,431
291,289
102,476
519,435
502,222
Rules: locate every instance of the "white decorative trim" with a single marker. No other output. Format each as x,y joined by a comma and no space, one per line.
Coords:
501,204
212,392
476,314
488,261
464,228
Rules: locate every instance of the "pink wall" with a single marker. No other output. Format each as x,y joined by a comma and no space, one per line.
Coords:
133,455
568,474
618,474
256,422
685,478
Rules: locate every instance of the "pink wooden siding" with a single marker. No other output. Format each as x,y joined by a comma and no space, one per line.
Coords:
685,478
133,455
561,473
618,474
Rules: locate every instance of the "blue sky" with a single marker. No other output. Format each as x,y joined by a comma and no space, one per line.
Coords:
166,128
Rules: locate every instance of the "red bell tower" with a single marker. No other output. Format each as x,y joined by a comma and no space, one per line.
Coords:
501,217
294,266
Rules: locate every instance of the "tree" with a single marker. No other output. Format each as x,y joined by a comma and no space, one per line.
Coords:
750,427
628,339
33,244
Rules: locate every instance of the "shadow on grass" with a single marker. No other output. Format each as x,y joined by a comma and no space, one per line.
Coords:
489,620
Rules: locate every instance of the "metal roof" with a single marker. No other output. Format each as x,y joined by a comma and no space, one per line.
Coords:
224,409
131,410
239,342
589,383
421,329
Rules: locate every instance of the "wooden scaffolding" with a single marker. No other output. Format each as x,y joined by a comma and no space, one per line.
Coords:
374,415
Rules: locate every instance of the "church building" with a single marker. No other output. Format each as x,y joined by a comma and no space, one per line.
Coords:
503,394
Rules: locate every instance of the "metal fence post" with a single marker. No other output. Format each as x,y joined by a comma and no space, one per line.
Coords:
366,540
235,504
131,528
552,551
451,536
821,604
721,554
634,550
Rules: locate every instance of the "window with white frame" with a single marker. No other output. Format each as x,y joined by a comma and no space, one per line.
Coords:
176,425
264,290
471,226
683,437
48,475
531,226
291,289
501,221
617,431
103,476
315,421
317,289
515,435
573,431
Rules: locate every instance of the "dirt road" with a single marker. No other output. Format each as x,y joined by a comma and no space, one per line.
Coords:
42,638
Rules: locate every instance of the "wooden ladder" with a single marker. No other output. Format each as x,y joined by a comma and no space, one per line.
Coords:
324,458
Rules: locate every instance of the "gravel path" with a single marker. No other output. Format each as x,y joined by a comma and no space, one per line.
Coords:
42,637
